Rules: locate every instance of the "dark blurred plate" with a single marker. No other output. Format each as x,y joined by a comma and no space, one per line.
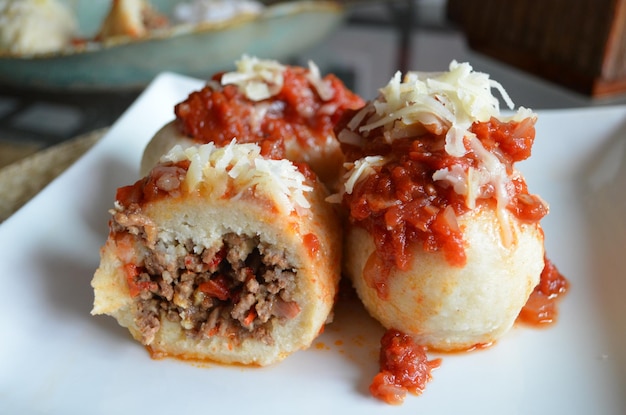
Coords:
281,30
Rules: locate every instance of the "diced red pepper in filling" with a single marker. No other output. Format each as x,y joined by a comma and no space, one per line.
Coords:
216,287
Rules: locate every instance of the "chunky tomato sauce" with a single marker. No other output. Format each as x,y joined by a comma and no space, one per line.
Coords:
404,367
219,115
400,205
164,180
541,307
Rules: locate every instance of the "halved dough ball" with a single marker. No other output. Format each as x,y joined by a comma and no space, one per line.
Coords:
223,256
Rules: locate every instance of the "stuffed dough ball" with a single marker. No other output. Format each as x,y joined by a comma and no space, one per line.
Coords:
290,111
443,240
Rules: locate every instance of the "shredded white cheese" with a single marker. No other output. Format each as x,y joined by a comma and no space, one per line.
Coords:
245,168
356,171
439,101
446,104
323,87
261,79
359,168
258,79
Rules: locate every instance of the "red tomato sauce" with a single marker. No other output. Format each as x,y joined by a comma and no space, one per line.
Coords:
135,285
311,243
404,367
212,115
164,180
404,364
541,307
400,205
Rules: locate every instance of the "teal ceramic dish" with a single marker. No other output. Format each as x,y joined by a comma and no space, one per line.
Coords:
281,30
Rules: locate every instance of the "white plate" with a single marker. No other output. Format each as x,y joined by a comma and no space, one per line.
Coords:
56,358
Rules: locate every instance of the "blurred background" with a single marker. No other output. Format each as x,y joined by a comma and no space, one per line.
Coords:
547,54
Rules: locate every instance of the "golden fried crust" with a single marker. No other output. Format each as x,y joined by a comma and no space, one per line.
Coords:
454,308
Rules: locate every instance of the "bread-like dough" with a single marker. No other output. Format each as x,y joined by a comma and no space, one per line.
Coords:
325,159
451,308
205,219
134,18
35,26
167,137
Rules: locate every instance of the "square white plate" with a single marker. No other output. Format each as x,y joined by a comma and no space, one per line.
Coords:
55,358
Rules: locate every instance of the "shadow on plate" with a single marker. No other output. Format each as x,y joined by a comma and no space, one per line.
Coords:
603,190
68,291
356,336
67,275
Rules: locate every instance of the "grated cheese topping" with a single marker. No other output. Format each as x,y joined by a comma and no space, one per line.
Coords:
260,79
244,167
445,104
360,168
356,171
323,87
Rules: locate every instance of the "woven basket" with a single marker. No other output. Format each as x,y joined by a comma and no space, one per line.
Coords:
580,44
22,180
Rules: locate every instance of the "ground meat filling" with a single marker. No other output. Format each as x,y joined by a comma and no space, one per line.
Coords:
235,289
